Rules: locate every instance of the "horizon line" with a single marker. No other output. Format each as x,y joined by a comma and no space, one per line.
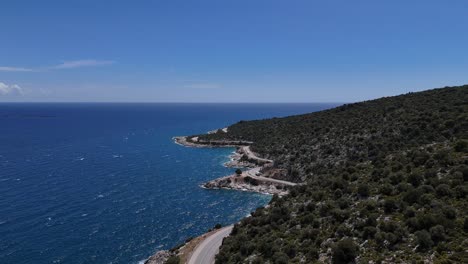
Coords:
150,102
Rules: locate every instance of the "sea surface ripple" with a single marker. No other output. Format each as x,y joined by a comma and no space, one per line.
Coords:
104,183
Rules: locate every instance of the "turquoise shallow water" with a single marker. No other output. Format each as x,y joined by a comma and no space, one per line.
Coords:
104,183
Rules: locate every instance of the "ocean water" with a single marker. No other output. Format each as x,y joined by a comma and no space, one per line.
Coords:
104,183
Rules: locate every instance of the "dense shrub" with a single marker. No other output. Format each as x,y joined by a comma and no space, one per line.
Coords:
423,240
345,251
388,174
438,233
443,190
389,205
363,190
281,258
173,260
461,146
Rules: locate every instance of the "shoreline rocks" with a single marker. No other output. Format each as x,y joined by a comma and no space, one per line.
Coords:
246,184
251,180
197,143
159,257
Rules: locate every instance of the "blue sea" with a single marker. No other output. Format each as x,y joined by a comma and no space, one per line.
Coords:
105,183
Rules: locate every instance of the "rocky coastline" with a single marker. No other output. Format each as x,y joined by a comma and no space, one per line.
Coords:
195,142
159,257
259,176
244,183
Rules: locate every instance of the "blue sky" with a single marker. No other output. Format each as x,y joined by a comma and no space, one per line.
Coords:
229,51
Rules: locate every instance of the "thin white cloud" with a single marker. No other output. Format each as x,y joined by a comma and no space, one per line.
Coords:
62,66
15,69
45,91
10,89
203,86
81,63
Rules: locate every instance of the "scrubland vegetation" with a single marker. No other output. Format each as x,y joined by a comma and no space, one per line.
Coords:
385,181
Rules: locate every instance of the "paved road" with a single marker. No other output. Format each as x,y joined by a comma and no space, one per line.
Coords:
253,173
252,155
205,252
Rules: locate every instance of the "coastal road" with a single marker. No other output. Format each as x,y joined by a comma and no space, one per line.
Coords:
253,173
252,155
205,252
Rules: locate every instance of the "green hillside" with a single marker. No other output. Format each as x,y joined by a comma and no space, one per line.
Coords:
386,180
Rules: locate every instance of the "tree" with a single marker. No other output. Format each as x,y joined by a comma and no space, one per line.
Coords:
438,233
389,205
238,172
363,190
386,189
461,146
251,180
369,232
423,239
281,258
443,190
415,179
344,251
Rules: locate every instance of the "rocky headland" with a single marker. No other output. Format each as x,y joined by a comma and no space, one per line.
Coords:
260,175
